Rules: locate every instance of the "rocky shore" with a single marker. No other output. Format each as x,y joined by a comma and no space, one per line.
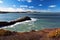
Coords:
45,34
4,23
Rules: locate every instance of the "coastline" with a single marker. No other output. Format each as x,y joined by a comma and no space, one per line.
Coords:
45,34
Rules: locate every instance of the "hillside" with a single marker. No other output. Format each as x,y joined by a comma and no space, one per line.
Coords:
45,34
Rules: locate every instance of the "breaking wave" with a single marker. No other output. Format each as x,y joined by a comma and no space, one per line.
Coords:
24,22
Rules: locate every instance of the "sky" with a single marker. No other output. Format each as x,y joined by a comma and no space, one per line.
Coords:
22,5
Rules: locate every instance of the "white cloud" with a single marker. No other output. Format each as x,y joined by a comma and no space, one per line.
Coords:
7,9
20,9
25,0
29,1
24,6
14,5
10,9
40,5
19,0
22,0
52,6
1,1
31,6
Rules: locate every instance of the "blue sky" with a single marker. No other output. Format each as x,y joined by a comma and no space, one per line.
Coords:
43,5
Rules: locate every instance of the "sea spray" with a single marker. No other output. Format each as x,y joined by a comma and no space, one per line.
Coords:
22,26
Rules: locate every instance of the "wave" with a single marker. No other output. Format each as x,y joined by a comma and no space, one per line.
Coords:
24,22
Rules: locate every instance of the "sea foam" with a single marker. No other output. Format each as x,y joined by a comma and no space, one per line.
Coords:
32,20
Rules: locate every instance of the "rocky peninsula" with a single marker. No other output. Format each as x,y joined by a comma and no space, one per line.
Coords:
4,23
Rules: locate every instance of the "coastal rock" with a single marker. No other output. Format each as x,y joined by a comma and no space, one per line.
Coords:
46,34
5,32
22,19
4,23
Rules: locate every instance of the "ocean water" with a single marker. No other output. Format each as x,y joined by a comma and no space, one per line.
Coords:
39,21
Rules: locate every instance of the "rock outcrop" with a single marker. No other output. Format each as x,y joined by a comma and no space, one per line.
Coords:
46,34
2,24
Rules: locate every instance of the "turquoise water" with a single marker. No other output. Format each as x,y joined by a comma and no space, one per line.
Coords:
39,21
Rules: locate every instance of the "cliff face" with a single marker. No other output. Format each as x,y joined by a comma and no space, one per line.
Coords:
46,34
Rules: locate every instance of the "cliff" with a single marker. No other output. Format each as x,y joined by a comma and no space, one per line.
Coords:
45,34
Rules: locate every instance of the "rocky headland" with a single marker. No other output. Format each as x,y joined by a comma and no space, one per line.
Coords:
4,23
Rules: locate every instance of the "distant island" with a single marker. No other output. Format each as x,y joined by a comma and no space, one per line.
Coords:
19,12
28,11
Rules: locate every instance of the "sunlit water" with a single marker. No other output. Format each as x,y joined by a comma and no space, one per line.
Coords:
39,21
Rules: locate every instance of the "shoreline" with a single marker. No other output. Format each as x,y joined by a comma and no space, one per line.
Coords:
45,34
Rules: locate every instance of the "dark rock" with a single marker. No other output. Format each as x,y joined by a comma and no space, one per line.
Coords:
2,24
22,19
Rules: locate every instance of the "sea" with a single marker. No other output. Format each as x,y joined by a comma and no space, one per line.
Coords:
38,21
